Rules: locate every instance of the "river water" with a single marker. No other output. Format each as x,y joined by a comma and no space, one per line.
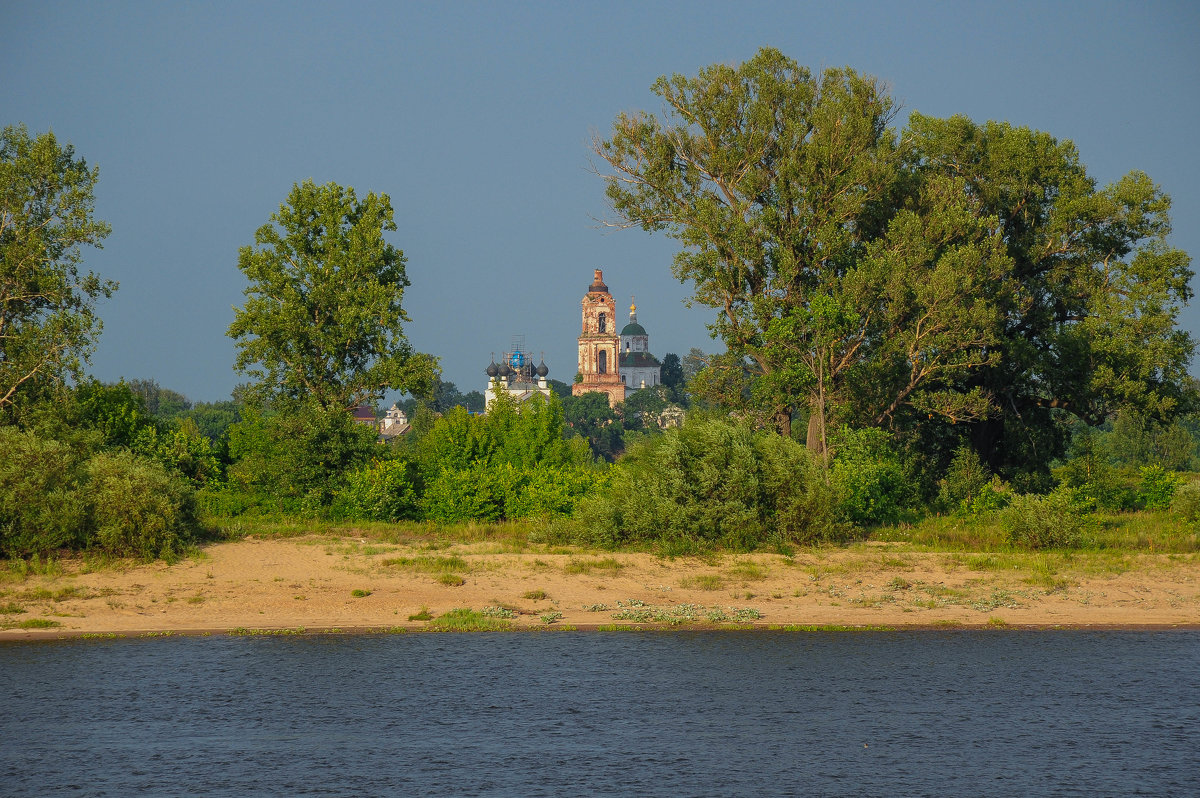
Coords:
624,714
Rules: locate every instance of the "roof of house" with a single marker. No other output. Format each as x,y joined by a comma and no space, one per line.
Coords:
634,360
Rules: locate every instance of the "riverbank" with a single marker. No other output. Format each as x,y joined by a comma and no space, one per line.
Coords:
328,583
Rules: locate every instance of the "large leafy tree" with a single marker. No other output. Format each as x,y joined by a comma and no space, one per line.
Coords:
951,274
781,186
323,320
48,324
1097,289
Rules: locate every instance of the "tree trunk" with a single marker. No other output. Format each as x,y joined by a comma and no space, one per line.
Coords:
783,422
815,439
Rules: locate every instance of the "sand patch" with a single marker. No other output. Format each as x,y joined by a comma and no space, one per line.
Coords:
320,583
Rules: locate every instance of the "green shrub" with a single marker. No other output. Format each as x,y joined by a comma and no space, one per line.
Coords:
995,495
966,479
550,491
503,491
869,478
300,456
382,491
41,508
184,448
229,501
794,488
1054,521
1157,487
1094,481
1186,502
513,462
53,496
470,494
711,483
137,508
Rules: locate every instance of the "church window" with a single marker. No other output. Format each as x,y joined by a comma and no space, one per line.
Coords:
603,362
603,322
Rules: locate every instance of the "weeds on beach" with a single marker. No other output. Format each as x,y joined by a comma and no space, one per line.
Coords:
422,615
638,611
514,536
428,564
702,582
1156,531
359,593
38,623
587,566
242,631
828,627
18,569
747,572
467,620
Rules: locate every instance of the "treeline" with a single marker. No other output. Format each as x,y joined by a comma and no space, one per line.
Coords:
96,469
945,281
712,482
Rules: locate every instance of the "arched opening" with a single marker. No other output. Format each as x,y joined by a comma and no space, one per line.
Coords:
602,361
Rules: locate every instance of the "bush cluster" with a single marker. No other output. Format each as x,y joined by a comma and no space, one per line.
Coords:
514,462
1053,521
869,478
713,483
55,496
1186,501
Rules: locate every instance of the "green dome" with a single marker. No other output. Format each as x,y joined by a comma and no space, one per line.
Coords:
633,328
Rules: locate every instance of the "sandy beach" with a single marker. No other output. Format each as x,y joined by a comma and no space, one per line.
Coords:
322,584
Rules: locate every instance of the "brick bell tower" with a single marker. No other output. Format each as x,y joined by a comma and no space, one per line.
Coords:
599,345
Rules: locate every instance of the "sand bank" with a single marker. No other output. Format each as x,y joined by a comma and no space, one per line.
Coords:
321,583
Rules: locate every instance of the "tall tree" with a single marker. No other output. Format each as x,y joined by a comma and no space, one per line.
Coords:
1091,330
323,320
672,377
48,324
954,274
770,178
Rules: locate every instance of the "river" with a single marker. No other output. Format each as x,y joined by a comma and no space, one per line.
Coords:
595,714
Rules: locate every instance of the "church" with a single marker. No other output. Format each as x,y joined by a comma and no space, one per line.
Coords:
612,363
516,376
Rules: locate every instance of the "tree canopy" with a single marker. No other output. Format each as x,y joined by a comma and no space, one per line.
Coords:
323,319
1089,327
948,274
48,324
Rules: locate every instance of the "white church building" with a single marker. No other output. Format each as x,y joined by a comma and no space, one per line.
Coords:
637,367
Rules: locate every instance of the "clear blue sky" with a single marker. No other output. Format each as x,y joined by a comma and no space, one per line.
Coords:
476,118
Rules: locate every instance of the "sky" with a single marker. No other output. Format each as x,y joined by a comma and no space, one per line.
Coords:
477,118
